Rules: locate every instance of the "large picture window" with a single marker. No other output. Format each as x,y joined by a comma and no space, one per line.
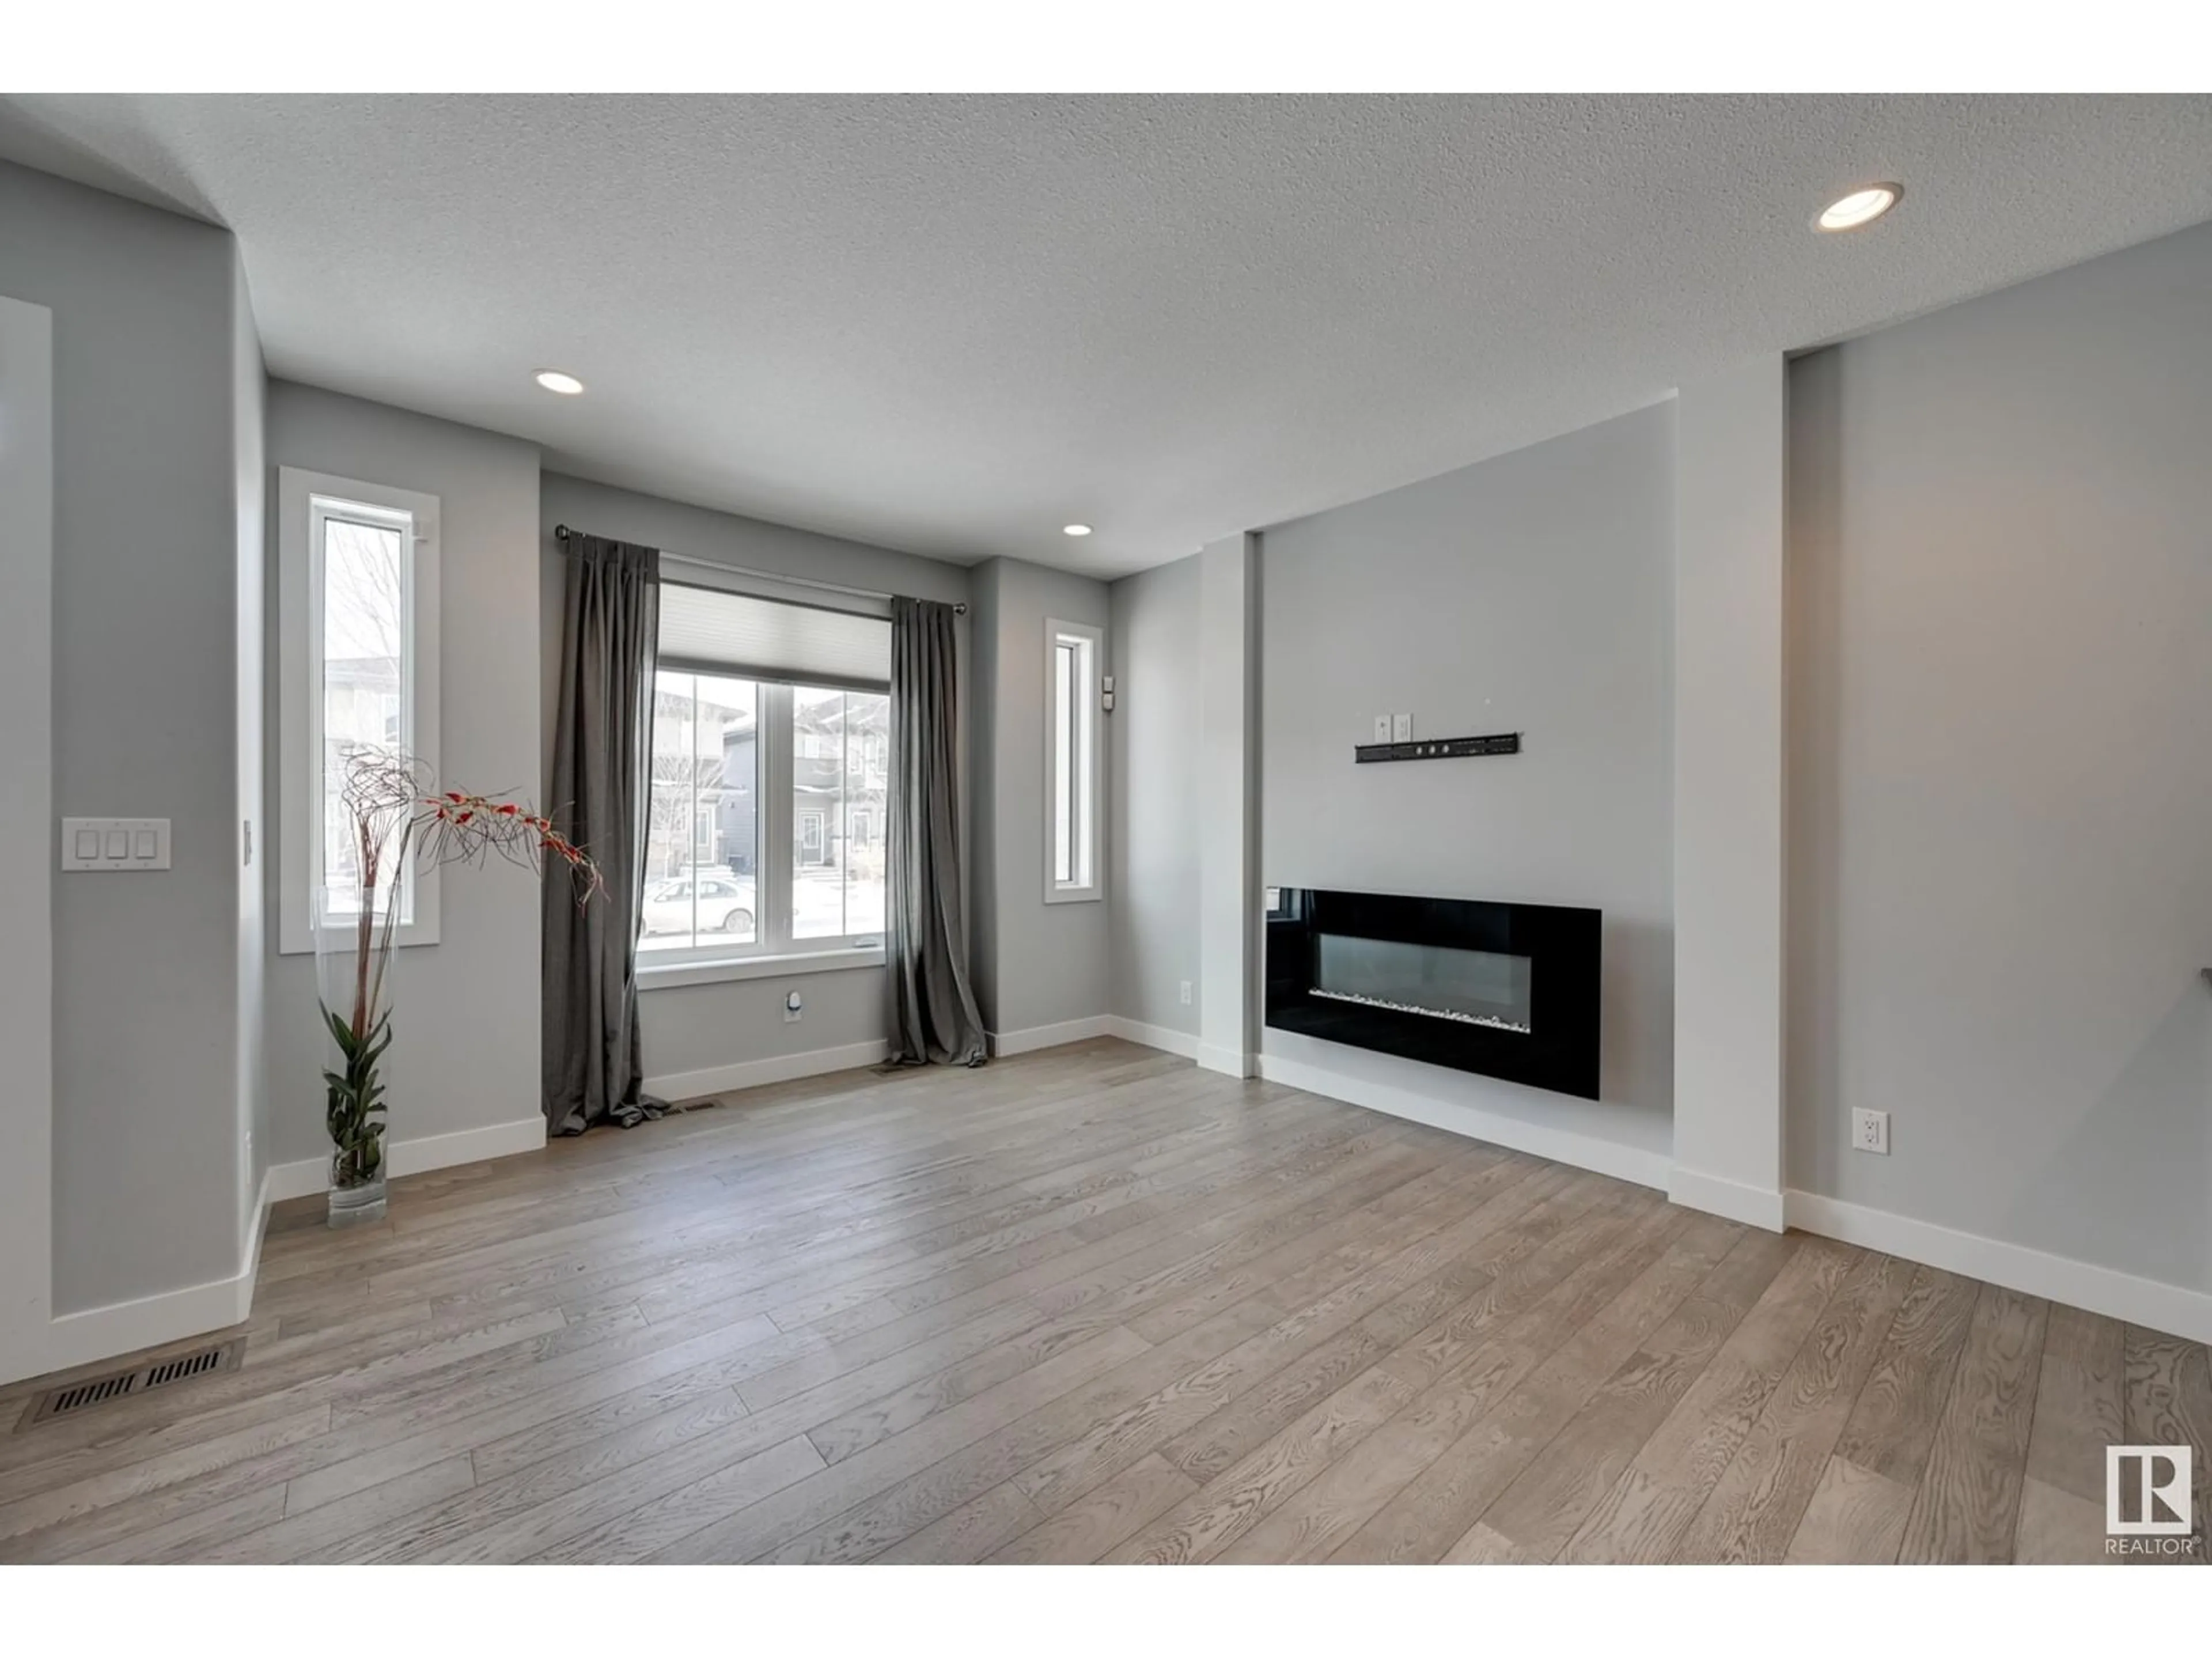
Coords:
358,668
770,788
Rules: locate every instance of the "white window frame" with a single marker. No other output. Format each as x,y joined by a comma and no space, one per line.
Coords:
773,950
663,956
303,501
1086,806
782,756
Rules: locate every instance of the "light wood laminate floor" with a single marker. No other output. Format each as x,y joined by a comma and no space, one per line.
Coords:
1093,1304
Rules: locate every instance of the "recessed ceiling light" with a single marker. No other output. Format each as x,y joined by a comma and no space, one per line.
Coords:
554,380
1861,207
1075,530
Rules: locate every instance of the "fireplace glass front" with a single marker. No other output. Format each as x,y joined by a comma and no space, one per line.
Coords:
1475,988
1507,989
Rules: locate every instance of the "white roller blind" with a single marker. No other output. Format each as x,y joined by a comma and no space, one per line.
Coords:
707,631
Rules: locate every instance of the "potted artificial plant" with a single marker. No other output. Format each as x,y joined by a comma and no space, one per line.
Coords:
396,819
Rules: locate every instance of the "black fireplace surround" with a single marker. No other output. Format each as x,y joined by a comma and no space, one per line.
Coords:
1507,990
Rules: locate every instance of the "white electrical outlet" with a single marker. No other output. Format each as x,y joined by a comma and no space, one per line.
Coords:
1381,728
793,1005
1402,729
1870,1132
1186,993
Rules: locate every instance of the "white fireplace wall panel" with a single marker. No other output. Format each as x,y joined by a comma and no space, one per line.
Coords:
1728,730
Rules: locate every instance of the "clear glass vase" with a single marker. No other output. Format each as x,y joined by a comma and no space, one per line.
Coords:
355,956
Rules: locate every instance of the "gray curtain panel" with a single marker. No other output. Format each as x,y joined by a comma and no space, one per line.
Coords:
594,1069
933,1014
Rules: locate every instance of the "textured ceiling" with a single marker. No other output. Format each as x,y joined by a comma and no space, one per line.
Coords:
953,324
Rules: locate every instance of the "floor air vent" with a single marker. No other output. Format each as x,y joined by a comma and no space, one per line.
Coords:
73,1397
177,1370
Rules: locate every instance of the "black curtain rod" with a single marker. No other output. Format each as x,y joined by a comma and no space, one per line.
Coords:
563,533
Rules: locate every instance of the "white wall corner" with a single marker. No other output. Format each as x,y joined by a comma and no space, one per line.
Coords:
1229,920
1005,1045
1230,1062
93,1334
1755,1206
1162,1037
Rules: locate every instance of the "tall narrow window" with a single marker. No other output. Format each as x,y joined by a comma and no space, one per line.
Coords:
1072,771
366,701
358,661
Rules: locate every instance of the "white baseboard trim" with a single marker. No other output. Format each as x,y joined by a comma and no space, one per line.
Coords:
2146,1301
309,1175
299,1180
1645,1169
776,1068
1007,1044
79,1338
1162,1037
147,1322
1716,1195
1230,1062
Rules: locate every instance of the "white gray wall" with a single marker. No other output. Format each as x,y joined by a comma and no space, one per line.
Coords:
1231,937
147,1146
1531,592
27,836
2001,806
701,1029
249,418
1042,965
1153,835
983,735
465,1010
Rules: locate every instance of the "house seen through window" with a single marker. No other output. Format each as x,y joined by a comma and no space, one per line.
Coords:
765,830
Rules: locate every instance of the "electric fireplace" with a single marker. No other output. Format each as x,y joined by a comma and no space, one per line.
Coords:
1507,990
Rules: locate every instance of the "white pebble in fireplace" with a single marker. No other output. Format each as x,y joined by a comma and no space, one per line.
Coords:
1491,1021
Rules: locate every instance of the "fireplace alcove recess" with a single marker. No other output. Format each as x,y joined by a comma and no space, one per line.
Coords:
1507,990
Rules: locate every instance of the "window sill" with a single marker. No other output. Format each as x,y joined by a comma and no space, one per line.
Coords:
409,936
1073,896
667,976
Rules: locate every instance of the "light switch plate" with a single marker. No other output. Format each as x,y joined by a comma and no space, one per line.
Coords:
1381,728
1402,729
115,843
